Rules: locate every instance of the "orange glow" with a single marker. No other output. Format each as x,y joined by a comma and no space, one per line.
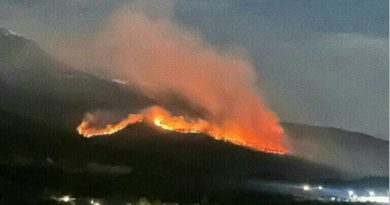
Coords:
86,129
163,119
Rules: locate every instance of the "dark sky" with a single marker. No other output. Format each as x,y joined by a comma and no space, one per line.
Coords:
319,62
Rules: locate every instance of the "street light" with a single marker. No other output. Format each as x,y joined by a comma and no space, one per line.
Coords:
306,187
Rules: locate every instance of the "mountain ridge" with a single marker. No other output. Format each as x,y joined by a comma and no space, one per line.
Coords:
36,86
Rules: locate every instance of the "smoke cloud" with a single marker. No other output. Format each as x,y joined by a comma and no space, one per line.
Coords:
156,56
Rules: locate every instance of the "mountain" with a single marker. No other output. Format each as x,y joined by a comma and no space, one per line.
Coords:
42,101
142,160
353,152
30,142
37,160
35,85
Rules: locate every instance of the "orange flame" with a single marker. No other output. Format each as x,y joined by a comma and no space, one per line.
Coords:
86,129
162,118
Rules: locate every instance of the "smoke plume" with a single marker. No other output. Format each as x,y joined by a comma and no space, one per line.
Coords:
155,55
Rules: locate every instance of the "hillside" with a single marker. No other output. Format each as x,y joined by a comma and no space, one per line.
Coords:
350,151
43,100
35,86
141,161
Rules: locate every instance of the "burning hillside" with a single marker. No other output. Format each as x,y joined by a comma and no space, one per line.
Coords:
161,60
163,119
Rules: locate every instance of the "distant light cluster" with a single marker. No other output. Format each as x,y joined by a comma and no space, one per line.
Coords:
348,196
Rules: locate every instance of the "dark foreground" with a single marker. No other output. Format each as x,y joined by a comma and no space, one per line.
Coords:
48,184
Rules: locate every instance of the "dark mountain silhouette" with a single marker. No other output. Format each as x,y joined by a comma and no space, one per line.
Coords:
42,101
35,85
354,152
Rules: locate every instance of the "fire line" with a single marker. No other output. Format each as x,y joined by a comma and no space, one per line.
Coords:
163,119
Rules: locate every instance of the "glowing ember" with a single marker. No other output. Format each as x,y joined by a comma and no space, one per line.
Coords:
162,118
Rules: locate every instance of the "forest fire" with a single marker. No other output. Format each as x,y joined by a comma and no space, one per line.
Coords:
165,62
87,130
163,119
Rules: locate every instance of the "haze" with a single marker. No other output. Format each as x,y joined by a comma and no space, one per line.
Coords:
321,62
